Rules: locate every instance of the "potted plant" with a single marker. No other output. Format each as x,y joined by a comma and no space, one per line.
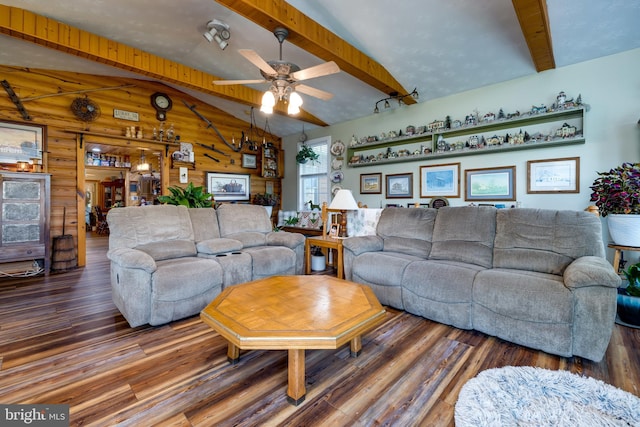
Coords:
629,297
305,154
617,195
267,200
317,259
191,197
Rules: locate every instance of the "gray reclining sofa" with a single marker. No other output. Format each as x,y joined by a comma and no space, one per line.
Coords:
538,278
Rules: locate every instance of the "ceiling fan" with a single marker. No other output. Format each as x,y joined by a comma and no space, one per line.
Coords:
284,76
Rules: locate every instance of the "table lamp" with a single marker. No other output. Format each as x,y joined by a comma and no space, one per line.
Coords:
343,201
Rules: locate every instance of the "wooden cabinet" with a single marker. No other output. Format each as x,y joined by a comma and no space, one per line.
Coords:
556,128
112,193
24,219
272,161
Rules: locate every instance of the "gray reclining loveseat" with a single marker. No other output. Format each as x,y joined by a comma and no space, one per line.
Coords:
168,262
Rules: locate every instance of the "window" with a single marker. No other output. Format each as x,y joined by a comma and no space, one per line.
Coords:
313,177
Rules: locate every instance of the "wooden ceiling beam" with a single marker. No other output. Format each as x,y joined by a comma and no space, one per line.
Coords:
317,40
26,25
534,21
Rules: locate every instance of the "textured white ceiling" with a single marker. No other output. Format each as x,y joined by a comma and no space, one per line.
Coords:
438,47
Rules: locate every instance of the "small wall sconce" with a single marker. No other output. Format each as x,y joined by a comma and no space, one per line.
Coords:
23,167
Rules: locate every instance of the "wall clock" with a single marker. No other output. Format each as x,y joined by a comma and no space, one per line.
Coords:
162,103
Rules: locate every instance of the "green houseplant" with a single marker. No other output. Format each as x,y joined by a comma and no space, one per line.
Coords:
616,193
305,154
629,297
190,196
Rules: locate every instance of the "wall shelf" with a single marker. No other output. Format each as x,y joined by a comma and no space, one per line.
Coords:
513,125
128,140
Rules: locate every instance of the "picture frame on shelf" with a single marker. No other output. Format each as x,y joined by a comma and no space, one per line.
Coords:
438,202
370,183
399,186
490,184
22,142
249,161
551,176
440,180
334,230
228,186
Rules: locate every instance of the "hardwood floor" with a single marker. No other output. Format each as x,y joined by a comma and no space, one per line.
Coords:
63,341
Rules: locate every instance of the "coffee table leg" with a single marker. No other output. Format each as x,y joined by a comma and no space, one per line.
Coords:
356,346
233,354
296,391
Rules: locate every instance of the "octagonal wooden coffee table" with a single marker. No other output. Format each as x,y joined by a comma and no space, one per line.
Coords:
294,313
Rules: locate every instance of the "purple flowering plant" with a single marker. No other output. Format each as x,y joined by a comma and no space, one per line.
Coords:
618,191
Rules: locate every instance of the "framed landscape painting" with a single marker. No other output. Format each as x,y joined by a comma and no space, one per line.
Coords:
440,180
21,142
553,176
399,185
490,184
228,186
370,183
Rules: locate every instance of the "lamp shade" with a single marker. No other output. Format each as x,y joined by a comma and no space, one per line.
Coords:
295,101
343,201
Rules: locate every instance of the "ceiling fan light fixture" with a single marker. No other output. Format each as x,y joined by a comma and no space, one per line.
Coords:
295,101
268,102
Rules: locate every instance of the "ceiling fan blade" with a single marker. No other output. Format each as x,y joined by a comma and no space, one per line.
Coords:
317,93
256,60
316,71
237,82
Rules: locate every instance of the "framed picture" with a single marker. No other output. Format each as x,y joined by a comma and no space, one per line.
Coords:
370,183
20,142
228,186
399,186
249,161
334,231
438,202
440,180
490,184
553,176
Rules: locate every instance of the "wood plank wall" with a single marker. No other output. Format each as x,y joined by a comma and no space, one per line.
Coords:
62,154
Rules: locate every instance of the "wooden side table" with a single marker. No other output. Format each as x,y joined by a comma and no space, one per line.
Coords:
618,252
328,243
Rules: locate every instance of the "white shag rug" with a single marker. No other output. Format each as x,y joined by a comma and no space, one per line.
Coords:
528,396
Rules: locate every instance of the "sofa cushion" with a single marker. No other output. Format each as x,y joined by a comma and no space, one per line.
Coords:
546,241
407,230
440,290
383,271
249,238
205,223
237,218
169,249
271,260
524,307
464,234
182,287
133,225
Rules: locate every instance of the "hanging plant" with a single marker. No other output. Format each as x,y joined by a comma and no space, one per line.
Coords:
305,154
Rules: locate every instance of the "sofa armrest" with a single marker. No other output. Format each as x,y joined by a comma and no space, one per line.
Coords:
590,271
218,246
361,244
132,258
284,238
